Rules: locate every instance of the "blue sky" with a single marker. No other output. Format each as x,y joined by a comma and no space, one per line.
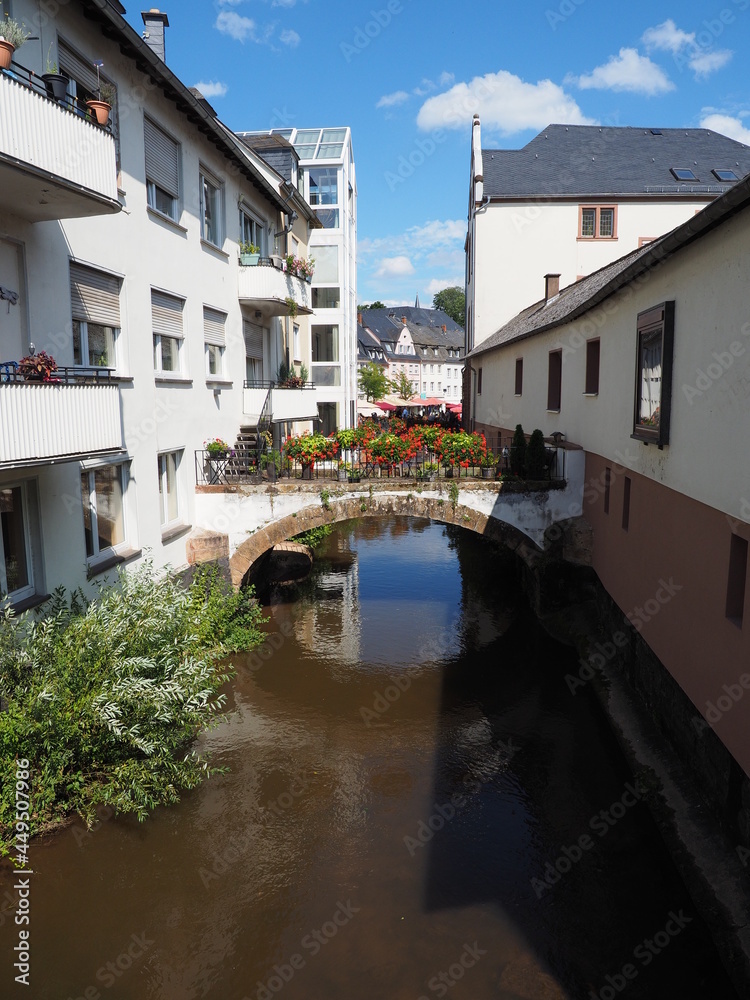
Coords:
407,76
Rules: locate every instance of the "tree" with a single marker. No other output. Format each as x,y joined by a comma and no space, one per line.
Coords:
373,381
452,301
402,386
536,456
374,305
518,452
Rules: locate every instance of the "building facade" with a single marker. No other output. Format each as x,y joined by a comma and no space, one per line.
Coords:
327,179
119,256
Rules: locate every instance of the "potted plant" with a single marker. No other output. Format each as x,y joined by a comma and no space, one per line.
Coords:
354,475
56,83
39,367
12,37
249,254
99,108
271,462
291,305
487,463
306,269
216,448
343,472
428,473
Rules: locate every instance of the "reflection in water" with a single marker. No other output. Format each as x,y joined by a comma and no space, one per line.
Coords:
409,787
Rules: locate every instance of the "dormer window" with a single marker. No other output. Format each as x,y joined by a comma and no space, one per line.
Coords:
683,174
728,176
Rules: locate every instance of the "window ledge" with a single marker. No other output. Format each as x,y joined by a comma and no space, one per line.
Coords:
597,239
121,378
207,245
590,394
173,380
553,411
219,381
158,216
102,565
174,531
28,603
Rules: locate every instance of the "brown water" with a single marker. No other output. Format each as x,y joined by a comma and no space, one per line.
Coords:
404,761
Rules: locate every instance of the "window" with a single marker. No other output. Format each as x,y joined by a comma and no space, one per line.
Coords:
253,336
214,340
653,395
166,324
326,264
295,342
252,231
325,343
170,512
683,174
736,579
725,175
162,171
592,367
95,310
327,418
323,186
607,488
102,492
519,377
16,573
211,210
626,503
554,380
597,222
479,382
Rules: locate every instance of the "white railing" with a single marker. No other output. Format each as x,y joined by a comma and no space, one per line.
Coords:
52,139
271,286
286,404
39,421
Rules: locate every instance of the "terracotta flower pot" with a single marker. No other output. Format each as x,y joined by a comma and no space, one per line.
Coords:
100,110
6,54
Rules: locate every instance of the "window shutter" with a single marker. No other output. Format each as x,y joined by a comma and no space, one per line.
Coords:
76,68
253,340
166,314
213,326
94,296
162,159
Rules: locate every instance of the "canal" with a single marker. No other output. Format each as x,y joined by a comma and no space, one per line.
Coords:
414,806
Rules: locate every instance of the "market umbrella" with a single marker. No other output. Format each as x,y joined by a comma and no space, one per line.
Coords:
382,405
455,407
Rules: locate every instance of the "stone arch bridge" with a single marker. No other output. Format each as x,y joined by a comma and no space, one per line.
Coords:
241,523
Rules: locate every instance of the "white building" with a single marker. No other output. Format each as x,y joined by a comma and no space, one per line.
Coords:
327,179
119,257
575,198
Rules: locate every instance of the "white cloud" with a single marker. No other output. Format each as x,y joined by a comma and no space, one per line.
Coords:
236,26
212,89
289,37
438,284
395,267
446,79
727,125
426,87
503,101
391,100
667,37
626,71
705,63
419,241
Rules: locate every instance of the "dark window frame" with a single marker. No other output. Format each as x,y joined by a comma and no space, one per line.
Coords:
593,359
554,381
654,324
519,377
736,579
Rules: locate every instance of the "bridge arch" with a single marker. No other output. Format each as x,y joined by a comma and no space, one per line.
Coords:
377,505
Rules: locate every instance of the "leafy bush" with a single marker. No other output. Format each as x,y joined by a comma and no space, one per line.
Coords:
536,456
314,536
105,698
518,452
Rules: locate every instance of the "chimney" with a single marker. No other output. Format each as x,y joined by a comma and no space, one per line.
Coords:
155,23
551,286
445,328
359,319
403,320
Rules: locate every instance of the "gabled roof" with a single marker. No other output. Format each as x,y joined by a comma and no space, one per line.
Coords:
579,298
600,162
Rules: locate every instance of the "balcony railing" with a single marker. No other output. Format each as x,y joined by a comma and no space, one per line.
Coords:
75,416
286,404
55,163
267,288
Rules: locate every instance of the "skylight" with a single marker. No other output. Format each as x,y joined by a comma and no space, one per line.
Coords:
725,175
683,174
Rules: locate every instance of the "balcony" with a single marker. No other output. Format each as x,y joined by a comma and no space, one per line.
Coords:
54,163
283,405
76,417
265,288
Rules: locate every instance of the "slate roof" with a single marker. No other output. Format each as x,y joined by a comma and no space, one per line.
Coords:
595,162
579,298
426,329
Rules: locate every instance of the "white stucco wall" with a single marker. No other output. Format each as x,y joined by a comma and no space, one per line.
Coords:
710,419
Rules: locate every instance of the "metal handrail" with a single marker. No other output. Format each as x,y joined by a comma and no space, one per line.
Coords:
266,384
32,81
65,375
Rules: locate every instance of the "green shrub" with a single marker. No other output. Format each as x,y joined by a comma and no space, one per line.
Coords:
105,698
314,536
536,456
518,452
